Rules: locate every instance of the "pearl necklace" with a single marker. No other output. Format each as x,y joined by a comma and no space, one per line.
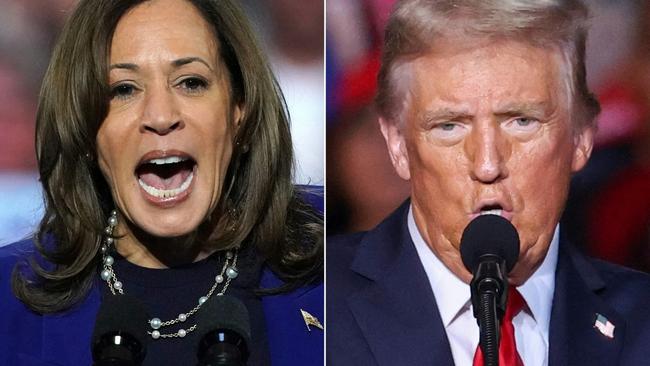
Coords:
228,273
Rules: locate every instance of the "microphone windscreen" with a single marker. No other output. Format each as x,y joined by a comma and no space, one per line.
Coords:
224,312
489,235
121,313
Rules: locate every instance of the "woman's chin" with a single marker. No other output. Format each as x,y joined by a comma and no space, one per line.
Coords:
153,229
169,233
168,223
168,217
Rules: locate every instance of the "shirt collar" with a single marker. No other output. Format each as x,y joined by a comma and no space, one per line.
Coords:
456,292
537,290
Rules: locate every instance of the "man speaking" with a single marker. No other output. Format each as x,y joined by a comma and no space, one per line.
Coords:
485,111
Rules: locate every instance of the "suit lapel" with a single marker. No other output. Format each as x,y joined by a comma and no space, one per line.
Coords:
396,311
573,338
290,341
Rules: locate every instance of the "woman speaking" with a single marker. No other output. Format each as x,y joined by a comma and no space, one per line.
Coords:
165,156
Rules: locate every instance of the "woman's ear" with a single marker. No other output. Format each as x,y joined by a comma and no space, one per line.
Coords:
238,114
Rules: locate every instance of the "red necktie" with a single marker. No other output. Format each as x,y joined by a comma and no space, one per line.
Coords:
508,355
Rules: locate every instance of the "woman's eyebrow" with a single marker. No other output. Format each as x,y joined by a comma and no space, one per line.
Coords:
127,66
188,60
175,63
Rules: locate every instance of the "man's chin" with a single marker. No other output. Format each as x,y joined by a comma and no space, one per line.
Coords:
520,273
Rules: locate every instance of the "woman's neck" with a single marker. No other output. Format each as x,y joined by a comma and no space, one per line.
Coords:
148,251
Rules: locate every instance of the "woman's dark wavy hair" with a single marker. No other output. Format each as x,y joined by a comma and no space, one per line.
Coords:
286,232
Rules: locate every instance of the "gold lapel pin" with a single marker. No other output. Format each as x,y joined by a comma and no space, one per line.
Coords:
310,320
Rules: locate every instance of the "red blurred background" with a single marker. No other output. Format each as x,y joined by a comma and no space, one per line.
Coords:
608,212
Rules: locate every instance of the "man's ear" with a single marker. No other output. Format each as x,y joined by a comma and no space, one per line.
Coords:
583,144
396,147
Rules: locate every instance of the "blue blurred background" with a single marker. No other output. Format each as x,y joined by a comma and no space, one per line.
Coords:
290,30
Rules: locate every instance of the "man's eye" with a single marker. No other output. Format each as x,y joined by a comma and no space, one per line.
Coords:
446,126
524,122
448,132
122,91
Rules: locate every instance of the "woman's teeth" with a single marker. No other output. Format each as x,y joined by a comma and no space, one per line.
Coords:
166,193
167,160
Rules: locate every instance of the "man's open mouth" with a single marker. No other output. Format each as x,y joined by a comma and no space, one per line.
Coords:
166,177
493,207
491,210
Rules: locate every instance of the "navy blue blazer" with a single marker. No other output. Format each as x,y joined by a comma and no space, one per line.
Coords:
381,309
30,339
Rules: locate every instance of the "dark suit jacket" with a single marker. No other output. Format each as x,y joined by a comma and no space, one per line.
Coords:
381,309
30,339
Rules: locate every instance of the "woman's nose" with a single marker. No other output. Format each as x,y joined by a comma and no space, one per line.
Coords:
160,113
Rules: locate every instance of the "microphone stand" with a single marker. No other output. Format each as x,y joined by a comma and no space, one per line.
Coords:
489,288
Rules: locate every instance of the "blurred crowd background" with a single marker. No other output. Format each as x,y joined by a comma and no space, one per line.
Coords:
609,208
291,31
608,214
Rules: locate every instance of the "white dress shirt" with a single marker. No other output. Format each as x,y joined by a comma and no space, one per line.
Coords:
453,299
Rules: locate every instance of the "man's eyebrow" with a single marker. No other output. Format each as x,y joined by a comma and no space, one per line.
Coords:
524,107
535,109
176,63
444,113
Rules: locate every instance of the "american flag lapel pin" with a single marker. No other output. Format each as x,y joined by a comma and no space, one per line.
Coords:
310,320
604,326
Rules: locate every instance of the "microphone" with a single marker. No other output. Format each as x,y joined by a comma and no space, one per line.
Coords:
224,332
120,335
489,249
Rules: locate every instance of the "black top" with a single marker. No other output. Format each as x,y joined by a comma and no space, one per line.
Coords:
166,293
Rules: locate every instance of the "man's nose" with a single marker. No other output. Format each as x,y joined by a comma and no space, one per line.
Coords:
160,113
486,150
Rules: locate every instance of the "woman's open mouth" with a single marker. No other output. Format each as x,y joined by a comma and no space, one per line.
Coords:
166,180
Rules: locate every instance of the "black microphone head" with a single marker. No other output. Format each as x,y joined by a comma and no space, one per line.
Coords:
224,312
489,235
124,316
224,331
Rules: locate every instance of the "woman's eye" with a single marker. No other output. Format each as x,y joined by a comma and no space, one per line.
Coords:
122,91
193,85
